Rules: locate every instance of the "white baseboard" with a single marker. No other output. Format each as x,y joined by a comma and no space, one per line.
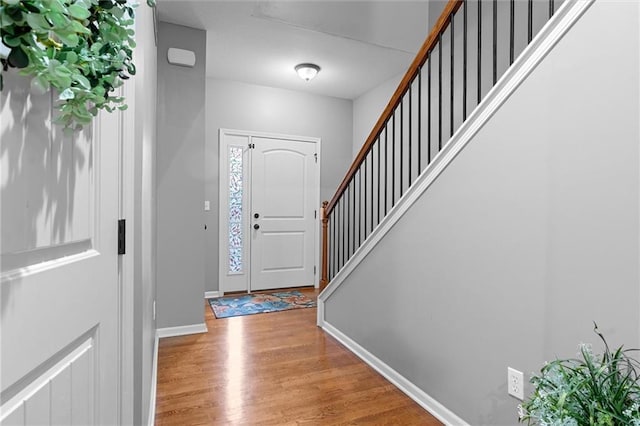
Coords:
154,383
211,294
182,330
438,410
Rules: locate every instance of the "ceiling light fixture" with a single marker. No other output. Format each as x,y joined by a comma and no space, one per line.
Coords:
307,71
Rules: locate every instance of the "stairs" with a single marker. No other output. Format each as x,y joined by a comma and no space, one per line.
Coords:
473,264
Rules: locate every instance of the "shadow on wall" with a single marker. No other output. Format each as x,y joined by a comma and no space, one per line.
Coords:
40,166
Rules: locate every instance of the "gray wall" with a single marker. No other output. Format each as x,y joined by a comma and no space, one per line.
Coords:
524,240
144,212
367,110
180,180
244,106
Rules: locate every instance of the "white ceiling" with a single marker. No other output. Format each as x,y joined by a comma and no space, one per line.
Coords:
358,44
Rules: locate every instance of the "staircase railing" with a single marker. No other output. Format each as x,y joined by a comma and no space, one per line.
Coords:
470,46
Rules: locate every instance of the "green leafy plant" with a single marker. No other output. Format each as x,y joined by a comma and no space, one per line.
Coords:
591,390
81,48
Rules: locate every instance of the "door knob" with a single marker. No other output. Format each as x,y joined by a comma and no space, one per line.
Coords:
256,215
256,226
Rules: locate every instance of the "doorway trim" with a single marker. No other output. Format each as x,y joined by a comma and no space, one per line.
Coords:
222,225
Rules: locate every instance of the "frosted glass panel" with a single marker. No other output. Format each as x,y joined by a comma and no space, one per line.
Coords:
235,209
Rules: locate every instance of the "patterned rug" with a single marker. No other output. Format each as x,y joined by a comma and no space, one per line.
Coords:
249,304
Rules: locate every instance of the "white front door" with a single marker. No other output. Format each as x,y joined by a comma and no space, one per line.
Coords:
269,195
59,316
283,206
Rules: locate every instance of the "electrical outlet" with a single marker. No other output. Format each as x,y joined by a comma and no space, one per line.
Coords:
515,383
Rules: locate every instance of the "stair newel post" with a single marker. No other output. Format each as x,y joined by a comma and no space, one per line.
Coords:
324,272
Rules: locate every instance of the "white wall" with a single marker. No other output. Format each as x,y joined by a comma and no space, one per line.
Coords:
244,106
368,108
528,236
180,180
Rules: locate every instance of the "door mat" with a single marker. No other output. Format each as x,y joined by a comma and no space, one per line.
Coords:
249,304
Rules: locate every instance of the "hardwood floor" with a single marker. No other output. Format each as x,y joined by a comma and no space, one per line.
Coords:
273,369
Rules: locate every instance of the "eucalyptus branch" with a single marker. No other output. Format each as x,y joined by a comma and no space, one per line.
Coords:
81,48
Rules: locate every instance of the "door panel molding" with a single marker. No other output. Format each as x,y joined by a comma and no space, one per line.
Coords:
34,257
20,273
37,383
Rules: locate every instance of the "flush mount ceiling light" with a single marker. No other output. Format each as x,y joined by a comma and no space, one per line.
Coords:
307,71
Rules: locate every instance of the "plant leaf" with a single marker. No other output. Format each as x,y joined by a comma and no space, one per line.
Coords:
66,95
79,28
58,19
11,41
72,57
62,71
15,13
68,38
105,4
83,81
56,6
18,58
78,11
31,7
38,22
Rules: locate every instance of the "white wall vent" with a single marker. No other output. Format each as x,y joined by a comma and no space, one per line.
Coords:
182,57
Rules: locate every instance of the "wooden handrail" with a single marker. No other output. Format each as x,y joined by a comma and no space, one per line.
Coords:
423,54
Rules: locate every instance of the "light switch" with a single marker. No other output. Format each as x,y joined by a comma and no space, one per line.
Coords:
207,206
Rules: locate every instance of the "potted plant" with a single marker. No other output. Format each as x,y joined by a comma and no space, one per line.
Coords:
589,390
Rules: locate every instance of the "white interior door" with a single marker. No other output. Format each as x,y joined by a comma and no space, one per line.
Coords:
59,267
283,204
276,178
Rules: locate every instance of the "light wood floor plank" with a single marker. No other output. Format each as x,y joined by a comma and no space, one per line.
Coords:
273,369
